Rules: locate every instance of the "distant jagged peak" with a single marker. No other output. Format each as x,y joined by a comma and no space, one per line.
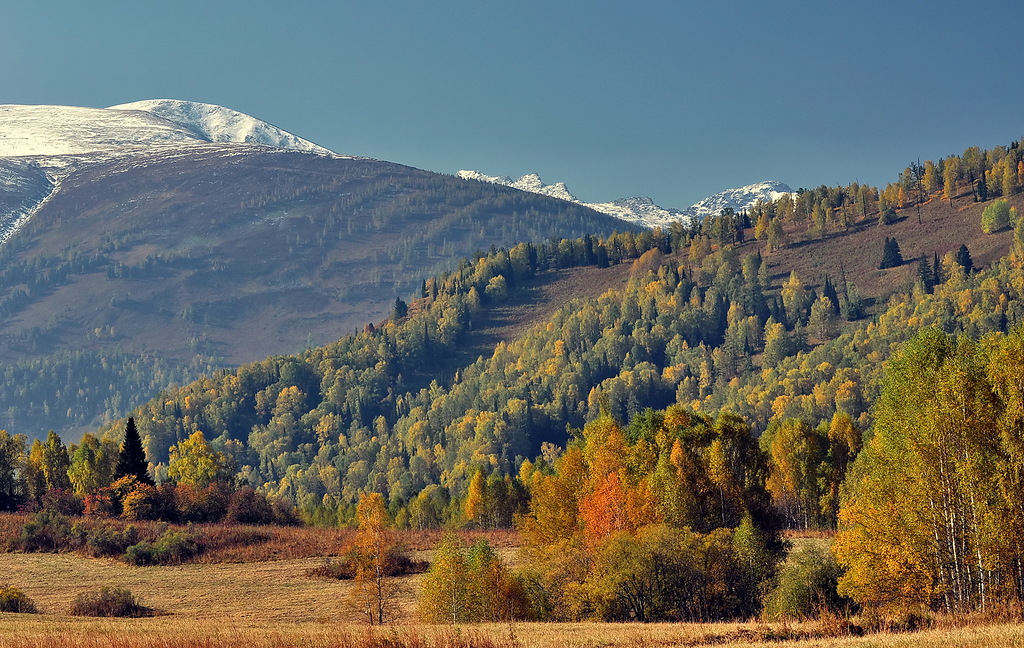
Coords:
467,174
219,124
638,210
530,182
641,210
739,199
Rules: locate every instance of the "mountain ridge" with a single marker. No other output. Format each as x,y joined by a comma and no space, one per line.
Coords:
52,130
126,265
641,210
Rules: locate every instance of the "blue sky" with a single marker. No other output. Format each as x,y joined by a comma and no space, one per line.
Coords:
674,100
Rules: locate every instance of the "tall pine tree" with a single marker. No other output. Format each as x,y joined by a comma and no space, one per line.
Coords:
132,458
891,256
963,257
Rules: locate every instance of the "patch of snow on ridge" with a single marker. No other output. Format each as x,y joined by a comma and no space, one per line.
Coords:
24,187
218,124
476,175
69,130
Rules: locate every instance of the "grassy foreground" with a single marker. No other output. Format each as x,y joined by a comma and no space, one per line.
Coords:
24,631
272,604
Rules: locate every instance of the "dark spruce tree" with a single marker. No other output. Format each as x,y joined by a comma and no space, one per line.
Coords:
400,310
132,458
829,290
925,274
891,256
963,257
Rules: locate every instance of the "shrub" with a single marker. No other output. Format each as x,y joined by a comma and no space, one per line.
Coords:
171,548
201,504
247,506
102,503
108,602
120,489
472,586
284,512
106,539
63,501
807,585
13,599
142,503
47,531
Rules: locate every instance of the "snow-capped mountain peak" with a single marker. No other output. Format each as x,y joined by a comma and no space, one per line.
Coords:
532,182
739,199
642,210
41,146
70,130
218,124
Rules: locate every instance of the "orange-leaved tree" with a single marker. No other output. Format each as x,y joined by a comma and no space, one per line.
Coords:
374,591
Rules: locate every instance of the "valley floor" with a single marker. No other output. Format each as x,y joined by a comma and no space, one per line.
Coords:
273,604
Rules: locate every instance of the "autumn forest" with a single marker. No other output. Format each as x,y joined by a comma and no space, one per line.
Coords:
661,446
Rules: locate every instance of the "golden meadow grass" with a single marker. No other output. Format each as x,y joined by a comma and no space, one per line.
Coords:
271,603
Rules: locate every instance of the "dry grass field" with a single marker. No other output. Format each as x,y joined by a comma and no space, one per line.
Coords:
271,603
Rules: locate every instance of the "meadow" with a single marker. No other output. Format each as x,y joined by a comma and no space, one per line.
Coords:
263,598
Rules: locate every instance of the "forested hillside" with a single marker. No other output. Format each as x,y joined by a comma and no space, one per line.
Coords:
708,398
133,277
703,321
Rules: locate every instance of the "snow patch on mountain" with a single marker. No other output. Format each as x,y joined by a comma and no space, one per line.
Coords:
641,210
40,146
532,182
69,130
476,175
24,187
218,124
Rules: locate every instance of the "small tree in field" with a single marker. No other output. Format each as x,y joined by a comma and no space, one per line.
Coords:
444,596
374,591
997,217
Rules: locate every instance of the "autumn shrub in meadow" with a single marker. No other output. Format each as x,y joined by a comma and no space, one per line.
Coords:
108,602
46,531
472,585
62,501
806,586
13,599
106,538
173,547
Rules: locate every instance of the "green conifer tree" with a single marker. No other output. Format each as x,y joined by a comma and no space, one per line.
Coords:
132,458
963,257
